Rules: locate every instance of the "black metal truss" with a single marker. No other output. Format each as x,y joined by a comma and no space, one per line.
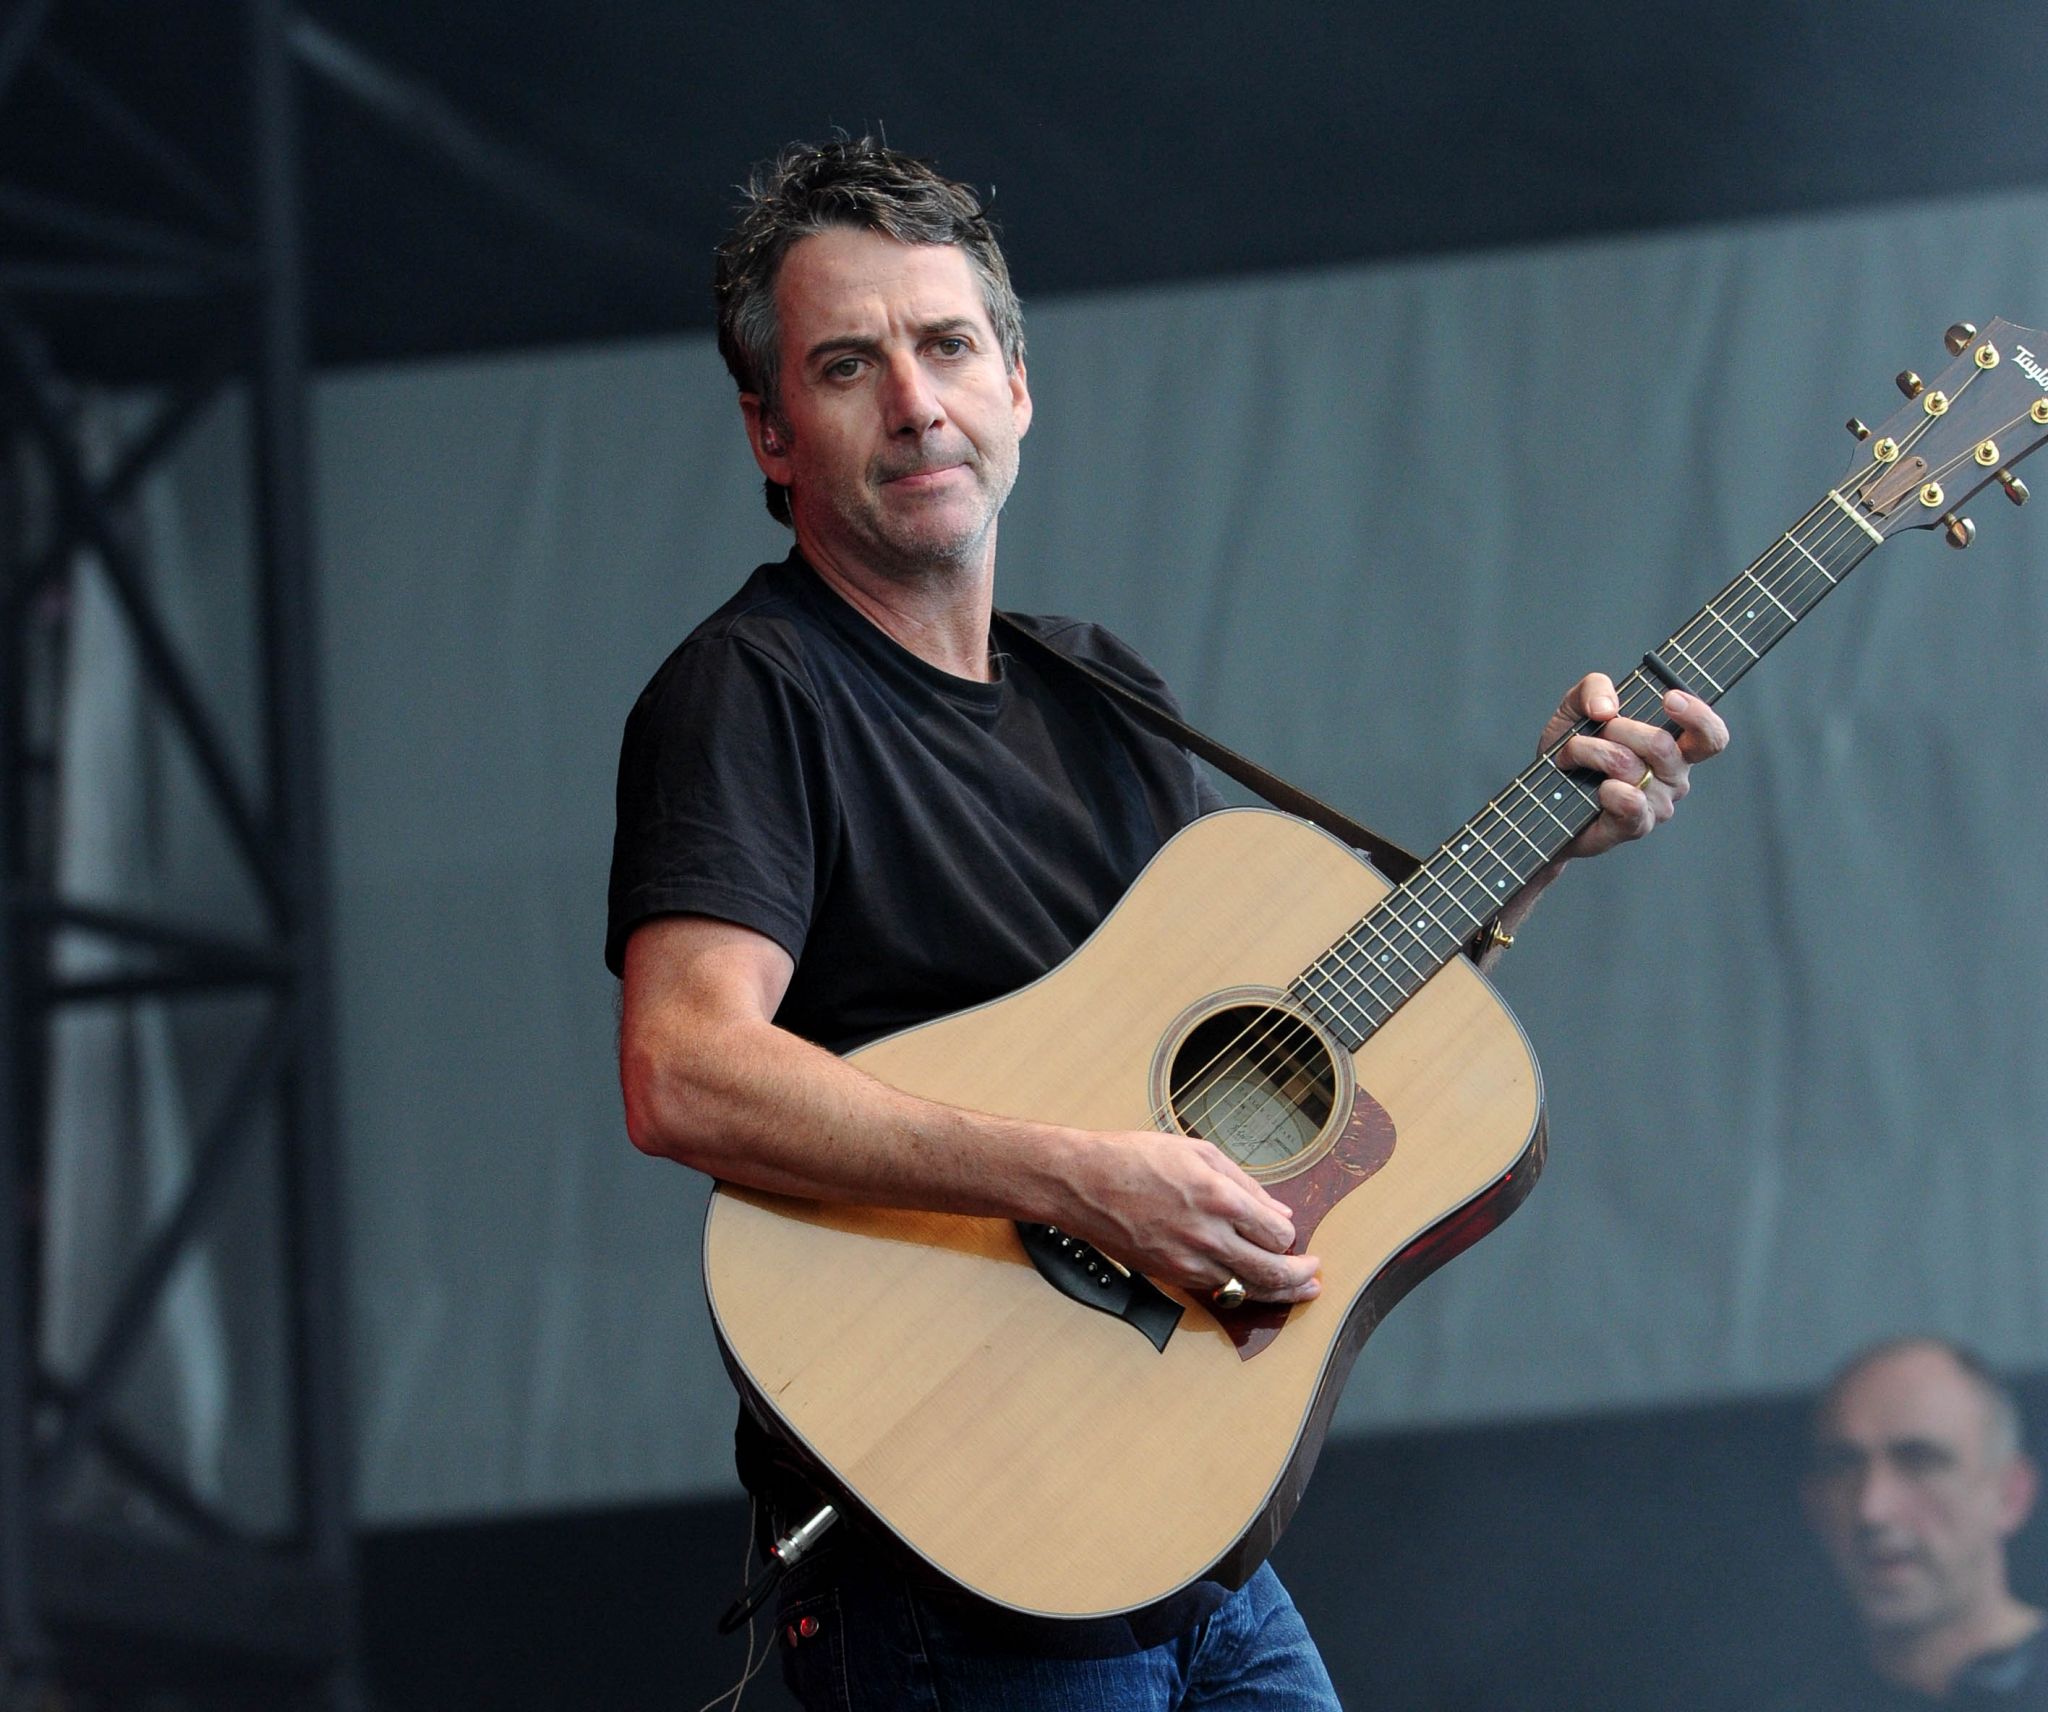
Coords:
207,264
201,1592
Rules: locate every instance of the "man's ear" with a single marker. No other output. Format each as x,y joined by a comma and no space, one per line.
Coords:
769,440
1020,398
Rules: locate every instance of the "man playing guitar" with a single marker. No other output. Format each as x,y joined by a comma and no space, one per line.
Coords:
843,810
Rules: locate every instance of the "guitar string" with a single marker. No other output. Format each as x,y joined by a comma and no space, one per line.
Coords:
1368,976
1688,646
1509,812
1719,652
1711,657
1713,653
1451,894
1716,652
1248,1044
1255,1051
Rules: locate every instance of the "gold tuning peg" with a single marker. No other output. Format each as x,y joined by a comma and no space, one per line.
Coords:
1958,337
1857,428
1961,531
2015,489
1910,383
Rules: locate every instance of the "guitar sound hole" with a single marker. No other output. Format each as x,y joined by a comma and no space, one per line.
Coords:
1256,1081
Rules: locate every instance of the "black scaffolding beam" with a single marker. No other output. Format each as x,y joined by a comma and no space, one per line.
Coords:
192,1596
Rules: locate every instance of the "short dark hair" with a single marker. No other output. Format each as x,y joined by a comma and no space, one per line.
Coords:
854,182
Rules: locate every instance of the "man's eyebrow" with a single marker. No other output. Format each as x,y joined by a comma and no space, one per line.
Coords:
864,345
855,344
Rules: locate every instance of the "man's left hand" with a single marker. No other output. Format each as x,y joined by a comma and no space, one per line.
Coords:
1647,768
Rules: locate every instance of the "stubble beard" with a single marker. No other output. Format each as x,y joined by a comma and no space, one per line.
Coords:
1931,1601
901,547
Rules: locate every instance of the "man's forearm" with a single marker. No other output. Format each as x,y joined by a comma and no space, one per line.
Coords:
750,1103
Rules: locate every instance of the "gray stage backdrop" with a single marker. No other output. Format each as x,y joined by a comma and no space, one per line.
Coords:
1370,522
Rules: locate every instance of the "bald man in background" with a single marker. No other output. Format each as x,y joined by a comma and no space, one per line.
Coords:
1918,1479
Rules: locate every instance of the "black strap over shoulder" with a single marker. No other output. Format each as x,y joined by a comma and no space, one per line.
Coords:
1390,858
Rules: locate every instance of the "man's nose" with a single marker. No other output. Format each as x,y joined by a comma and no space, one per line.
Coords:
910,402
1877,1496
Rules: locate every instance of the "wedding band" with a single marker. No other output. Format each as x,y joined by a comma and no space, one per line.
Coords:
1649,773
1228,1294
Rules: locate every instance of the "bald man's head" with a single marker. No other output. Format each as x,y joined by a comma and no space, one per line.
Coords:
1917,1481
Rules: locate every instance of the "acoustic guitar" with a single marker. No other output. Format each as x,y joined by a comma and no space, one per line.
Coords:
1067,1439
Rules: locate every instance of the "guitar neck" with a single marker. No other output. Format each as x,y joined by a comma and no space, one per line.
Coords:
1427,920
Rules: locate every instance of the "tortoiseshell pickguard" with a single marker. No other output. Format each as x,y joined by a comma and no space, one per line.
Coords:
1361,1148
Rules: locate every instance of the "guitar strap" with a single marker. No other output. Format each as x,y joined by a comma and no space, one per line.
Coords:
1390,858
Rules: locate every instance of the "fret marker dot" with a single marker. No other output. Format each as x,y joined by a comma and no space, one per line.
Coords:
1554,795
1384,955
1500,885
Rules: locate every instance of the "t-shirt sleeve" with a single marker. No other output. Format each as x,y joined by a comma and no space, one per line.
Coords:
723,803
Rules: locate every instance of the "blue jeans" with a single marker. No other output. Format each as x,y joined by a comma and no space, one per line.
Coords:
871,1644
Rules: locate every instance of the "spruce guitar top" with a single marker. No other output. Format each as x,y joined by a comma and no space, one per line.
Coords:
1066,1439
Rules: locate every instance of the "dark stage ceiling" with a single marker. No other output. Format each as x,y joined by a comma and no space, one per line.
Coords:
530,172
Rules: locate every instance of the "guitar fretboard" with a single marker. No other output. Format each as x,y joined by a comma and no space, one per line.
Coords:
1423,923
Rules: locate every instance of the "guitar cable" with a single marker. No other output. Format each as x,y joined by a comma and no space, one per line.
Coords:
782,1557
749,1669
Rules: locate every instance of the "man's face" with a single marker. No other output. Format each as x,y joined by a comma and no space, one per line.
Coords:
1914,1493
899,424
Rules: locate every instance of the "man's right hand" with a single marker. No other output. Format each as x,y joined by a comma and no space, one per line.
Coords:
1181,1211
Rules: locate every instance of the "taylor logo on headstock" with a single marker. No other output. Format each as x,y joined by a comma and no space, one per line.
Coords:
1952,439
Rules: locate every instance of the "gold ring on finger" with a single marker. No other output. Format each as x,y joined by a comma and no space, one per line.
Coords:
1228,1294
1649,773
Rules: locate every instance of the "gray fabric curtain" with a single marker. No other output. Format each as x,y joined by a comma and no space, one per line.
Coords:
134,1086
1370,523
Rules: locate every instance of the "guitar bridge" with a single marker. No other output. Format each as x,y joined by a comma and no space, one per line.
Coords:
1084,1274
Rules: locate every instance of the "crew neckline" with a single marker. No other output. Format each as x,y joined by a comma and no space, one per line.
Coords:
869,636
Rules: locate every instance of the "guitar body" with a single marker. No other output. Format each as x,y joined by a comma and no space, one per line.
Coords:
1047,1456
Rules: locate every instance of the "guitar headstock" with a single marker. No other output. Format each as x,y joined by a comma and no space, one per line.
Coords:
1956,435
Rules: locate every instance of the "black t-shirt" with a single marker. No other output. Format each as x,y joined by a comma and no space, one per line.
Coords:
917,843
